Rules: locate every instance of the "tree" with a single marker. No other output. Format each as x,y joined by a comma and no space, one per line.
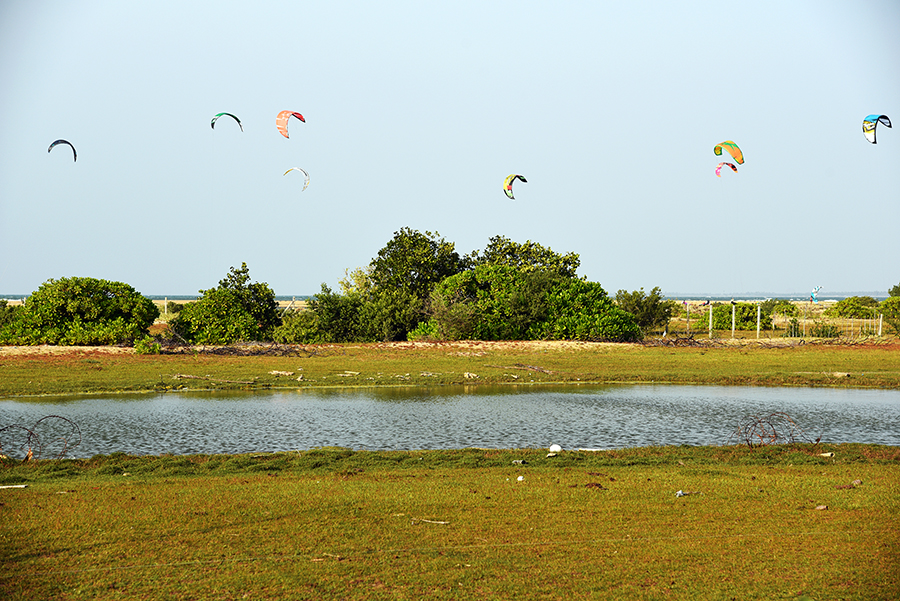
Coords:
235,310
894,291
890,308
529,256
856,307
651,311
402,277
500,302
414,262
81,311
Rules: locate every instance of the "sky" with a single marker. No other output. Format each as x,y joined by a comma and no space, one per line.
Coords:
416,112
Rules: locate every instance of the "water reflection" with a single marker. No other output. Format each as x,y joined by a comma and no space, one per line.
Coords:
456,417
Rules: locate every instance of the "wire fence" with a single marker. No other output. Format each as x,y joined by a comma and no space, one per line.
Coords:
804,323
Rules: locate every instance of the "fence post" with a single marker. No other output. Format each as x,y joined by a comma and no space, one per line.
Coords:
880,320
166,305
710,321
688,306
732,318
758,309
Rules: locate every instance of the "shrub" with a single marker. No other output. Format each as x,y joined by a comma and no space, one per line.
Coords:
337,317
581,310
526,257
298,327
821,329
147,346
890,308
235,310
499,302
780,306
398,282
650,311
744,317
81,311
8,312
853,307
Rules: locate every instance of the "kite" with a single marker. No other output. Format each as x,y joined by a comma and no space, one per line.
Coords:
719,168
732,149
814,297
212,123
281,121
306,183
74,154
508,182
869,124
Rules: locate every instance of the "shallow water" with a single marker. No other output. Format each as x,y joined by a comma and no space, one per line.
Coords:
445,418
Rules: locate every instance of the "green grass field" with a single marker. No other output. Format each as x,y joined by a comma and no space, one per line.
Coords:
468,524
79,371
338,524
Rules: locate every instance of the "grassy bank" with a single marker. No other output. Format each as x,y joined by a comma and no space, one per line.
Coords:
77,371
468,524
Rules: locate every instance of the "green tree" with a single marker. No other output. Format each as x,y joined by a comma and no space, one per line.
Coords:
8,312
81,311
895,290
401,278
414,262
235,310
529,256
890,309
500,302
650,310
581,310
855,307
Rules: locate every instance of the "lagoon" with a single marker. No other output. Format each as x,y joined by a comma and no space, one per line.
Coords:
595,417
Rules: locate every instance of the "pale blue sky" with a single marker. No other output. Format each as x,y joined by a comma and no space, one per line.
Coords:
417,111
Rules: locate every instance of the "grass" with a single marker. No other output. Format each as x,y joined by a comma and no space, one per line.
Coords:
79,372
332,523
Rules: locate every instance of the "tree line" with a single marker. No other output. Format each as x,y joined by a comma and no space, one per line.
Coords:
418,287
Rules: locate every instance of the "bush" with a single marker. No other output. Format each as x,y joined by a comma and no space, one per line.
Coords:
650,311
779,306
890,308
744,317
490,302
853,307
298,327
8,312
235,310
821,329
581,310
147,346
338,317
499,302
398,282
526,257
80,311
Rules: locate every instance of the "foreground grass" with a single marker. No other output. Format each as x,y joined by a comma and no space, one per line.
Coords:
77,371
332,523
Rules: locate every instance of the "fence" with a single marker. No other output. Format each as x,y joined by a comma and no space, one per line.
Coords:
806,323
